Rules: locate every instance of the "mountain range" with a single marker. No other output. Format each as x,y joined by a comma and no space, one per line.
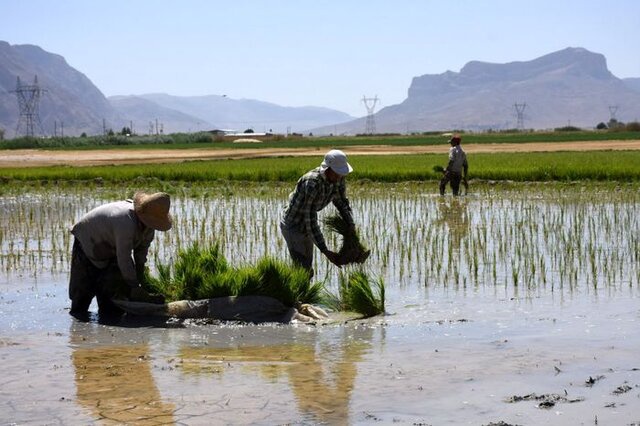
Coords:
569,87
572,86
222,112
71,104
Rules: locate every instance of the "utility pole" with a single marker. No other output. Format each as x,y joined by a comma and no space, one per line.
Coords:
29,103
520,114
370,105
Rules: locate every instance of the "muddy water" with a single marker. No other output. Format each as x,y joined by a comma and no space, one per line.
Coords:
453,349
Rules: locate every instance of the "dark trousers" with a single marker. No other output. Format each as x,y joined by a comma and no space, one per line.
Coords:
87,281
452,178
300,247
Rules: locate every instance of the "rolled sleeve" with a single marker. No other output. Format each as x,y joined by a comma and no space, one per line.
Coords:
141,252
124,248
311,217
341,202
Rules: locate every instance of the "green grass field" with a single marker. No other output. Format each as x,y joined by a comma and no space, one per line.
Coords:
542,167
205,140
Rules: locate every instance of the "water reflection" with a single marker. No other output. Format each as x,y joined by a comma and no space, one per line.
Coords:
321,376
453,212
115,383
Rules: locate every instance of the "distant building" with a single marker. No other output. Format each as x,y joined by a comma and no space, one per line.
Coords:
235,134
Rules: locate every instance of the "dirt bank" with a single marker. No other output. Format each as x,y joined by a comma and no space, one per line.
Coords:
35,158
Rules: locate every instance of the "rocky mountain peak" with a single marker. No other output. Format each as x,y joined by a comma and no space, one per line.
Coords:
577,61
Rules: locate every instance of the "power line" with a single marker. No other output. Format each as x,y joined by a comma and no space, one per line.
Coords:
520,114
29,104
370,105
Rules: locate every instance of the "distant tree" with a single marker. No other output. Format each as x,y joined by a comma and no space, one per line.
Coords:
567,129
249,130
1,134
614,124
633,126
83,135
125,131
601,126
110,132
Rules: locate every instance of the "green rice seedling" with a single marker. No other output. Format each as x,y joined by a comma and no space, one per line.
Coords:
203,273
286,282
358,292
162,283
194,265
222,284
245,281
351,250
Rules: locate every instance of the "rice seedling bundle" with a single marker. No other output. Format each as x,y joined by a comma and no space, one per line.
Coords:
360,293
204,273
351,250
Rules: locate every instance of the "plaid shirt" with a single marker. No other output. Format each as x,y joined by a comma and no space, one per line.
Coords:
313,193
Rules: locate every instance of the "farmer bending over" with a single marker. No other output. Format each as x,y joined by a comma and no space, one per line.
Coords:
457,168
104,240
314,191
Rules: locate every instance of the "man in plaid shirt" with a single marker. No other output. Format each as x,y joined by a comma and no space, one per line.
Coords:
314,191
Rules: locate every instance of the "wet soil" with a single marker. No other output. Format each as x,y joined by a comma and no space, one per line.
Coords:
440,358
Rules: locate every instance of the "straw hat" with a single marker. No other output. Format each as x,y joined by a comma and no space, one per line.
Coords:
153,210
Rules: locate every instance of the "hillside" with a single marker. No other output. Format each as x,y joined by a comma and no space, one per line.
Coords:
571,86
71,101
240,114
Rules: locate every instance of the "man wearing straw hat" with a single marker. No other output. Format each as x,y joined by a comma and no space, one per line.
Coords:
110,248
314,191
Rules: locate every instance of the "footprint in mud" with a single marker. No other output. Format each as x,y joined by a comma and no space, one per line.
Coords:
548,400
624,388
592,380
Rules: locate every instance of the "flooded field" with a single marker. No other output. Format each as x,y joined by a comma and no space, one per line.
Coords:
518,304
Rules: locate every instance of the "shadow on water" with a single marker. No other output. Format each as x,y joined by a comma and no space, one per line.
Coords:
321,376
115,383
127,320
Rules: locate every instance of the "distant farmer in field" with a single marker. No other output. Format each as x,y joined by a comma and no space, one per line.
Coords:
110,248
456,170
314,191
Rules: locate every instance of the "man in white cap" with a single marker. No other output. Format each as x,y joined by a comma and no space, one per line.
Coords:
314,191
110,248
457,169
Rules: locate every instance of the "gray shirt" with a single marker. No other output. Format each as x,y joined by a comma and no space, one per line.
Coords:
113,232
457,159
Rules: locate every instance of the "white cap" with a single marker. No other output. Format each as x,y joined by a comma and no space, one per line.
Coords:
337,160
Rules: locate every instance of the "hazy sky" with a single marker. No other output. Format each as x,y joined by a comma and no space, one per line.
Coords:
321,53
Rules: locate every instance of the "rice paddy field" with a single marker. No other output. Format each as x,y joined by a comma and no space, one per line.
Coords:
517,303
